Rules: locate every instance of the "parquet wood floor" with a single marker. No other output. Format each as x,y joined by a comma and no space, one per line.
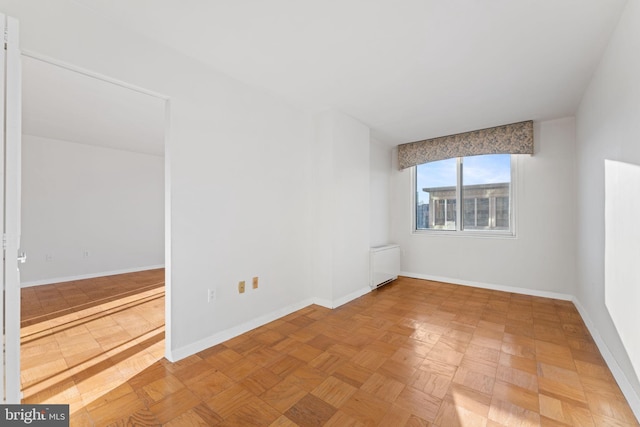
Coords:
413,353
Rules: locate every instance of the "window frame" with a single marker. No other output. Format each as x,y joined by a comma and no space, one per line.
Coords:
459,231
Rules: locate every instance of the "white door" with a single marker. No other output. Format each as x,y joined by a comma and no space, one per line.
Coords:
10,161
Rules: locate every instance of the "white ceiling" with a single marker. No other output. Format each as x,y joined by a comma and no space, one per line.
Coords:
62,104
409,69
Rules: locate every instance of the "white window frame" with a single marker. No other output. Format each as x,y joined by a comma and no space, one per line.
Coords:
459,232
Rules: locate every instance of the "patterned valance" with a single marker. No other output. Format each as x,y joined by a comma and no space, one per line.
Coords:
516,138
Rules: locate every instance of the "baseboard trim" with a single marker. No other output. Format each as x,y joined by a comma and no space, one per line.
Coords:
88,276
174,355
511,289
350,297
326,303
628,391
177,354
342,301
623,382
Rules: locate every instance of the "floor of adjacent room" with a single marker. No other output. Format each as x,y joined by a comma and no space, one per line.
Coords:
413,353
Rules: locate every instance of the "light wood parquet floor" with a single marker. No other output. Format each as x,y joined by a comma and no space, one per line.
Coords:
413,353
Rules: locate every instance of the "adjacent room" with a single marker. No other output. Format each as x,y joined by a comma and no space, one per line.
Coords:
93,229
492,144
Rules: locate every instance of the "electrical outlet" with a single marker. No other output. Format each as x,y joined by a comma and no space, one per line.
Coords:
85,253
255,282
48,257
241,287
211,295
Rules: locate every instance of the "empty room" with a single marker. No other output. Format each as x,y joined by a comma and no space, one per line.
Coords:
409,213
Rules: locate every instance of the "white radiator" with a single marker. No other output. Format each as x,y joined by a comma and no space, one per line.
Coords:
384,265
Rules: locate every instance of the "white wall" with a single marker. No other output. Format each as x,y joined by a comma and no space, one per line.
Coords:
380,170
340,206
622,252
540,259
351,230
608,127
238,167
78,198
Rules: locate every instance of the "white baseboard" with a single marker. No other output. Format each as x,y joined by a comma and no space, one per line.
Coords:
350,297
222,336
341,301
512,289
326,303
227,334
623,382
87,276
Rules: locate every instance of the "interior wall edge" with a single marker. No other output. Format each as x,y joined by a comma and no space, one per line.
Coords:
88,276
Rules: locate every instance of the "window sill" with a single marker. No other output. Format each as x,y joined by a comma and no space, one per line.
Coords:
467,234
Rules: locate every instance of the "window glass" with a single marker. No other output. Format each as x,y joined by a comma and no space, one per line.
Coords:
436,195
484,184
486,179
470,211
502,212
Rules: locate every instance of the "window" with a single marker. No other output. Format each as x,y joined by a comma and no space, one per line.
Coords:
482,183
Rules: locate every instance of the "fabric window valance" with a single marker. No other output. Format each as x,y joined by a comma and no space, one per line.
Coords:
516,138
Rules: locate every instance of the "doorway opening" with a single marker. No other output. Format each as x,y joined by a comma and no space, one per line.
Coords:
95,209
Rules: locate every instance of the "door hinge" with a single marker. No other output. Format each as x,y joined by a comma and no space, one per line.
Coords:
4,241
